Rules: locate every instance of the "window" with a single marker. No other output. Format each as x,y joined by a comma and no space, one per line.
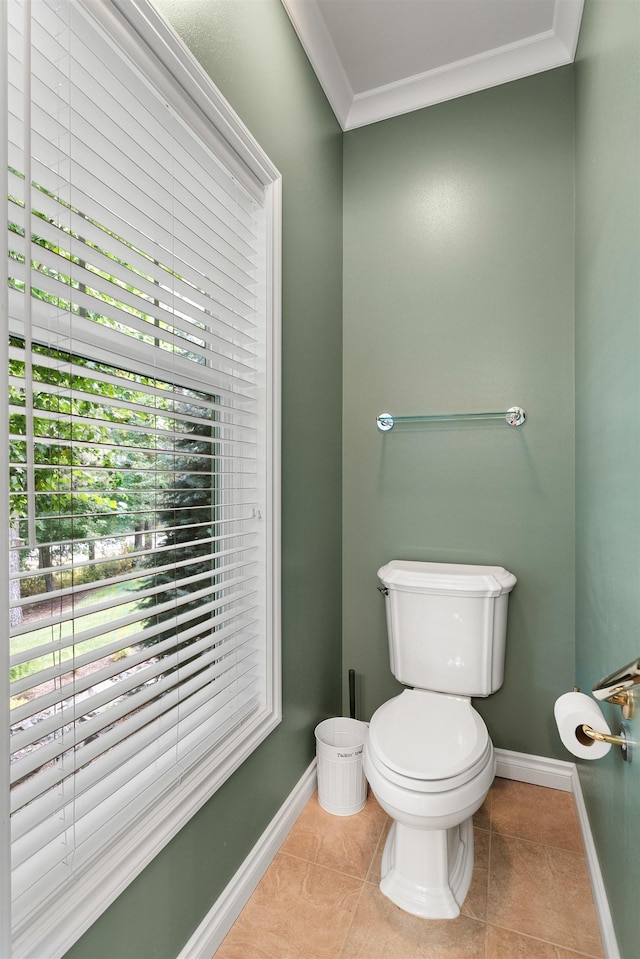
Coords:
141,496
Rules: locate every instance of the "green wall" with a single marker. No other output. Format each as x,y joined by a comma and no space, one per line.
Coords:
607,77
458,279
254,57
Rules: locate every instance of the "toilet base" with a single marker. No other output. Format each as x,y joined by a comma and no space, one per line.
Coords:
427,872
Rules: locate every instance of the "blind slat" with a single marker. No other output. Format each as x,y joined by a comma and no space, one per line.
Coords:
166,262
111,604
143,554
55,596
95,765
107,794
60,326
192,343
96,183
53,673
87,265
95,719
27,734
229,620
150,397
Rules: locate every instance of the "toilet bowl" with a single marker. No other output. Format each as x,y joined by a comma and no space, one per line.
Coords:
430,763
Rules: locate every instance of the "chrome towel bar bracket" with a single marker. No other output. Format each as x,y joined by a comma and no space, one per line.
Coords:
515,416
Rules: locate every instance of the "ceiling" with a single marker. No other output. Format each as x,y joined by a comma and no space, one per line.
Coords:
379,58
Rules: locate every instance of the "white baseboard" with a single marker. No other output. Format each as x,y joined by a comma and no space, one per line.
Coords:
228,906
521,767
537,770
605,919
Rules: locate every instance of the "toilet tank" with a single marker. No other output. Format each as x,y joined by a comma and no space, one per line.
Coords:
447,625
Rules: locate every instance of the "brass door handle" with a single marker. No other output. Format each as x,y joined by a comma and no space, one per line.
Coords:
618,687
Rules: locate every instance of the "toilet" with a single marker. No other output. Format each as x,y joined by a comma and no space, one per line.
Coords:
428,756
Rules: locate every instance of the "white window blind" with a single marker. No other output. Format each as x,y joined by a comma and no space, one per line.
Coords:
142,528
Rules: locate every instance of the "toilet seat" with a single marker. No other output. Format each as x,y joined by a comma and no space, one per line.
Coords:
427,741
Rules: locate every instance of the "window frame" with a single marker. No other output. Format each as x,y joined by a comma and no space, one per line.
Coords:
149,42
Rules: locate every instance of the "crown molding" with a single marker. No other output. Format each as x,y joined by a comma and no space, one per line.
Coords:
535,54
318,44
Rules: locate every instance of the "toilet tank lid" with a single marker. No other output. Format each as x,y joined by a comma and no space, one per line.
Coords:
446,578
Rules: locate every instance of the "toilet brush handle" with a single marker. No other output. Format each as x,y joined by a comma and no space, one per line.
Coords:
352,693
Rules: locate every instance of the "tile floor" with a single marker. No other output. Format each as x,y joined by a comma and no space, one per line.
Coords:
530,897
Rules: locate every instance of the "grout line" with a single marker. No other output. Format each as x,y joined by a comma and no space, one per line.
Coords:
381,837
538,842
486,937
547,942
350,926
322,865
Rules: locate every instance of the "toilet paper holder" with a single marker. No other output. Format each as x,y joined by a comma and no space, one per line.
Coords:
592,734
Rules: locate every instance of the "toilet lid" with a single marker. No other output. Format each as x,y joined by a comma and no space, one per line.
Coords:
424,735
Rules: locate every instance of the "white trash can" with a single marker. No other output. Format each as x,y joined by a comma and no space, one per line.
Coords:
342,787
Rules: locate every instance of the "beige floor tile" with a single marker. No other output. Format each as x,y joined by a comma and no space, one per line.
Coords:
344,843
382,931
544,892
535,813
299,911
504,944
475,905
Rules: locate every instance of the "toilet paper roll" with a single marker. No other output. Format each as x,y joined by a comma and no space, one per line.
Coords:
572,710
